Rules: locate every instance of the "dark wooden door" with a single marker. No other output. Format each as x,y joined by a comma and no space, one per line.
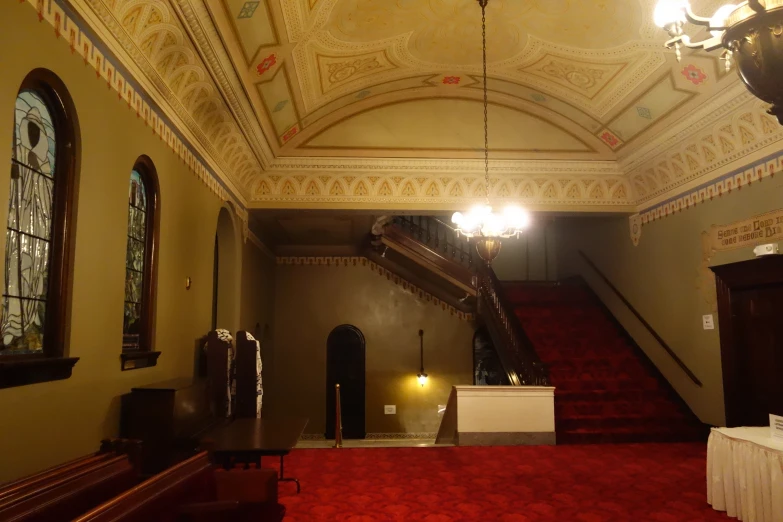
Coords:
750,301
345,366
758,316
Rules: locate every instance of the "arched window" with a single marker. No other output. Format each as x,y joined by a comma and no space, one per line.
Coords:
37,250
138,317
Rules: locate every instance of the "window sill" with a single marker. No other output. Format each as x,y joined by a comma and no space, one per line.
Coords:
20,372
138,360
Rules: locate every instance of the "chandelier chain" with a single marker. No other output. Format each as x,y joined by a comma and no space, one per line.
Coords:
486,99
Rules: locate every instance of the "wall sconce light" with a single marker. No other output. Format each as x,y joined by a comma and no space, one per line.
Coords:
421,375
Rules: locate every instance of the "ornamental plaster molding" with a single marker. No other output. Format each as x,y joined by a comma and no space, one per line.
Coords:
195,17
690,123
359,165
162,124
707,154
225,147
445,189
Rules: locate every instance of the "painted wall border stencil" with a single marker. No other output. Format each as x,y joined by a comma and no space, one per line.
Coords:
364,262
718,188
72,34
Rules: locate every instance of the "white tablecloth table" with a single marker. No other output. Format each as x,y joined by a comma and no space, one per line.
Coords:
745,474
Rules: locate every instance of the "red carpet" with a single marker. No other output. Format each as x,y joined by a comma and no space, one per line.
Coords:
604,392
590,483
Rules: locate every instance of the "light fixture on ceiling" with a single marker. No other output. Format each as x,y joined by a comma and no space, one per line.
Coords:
481,221
421,375
751,34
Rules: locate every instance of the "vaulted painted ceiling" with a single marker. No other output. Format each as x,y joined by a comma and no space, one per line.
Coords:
378,103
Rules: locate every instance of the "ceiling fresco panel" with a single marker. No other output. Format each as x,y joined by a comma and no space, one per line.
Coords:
654,104
252,21
446,124
380,85
278,101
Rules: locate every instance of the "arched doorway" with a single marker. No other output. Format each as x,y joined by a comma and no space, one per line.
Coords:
345,366
225,284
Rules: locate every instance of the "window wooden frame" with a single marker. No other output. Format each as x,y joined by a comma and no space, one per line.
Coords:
52,364
145,356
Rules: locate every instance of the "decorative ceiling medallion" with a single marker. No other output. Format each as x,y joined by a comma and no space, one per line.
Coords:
583,78
693,74
266,64
336,71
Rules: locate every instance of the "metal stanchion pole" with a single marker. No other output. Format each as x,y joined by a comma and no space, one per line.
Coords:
338,422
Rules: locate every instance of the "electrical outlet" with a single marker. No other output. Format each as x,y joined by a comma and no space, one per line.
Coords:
707,322
390,409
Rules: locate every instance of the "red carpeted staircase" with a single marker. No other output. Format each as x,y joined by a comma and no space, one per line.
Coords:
606,389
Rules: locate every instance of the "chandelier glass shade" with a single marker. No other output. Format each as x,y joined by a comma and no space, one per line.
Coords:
482,221
750,34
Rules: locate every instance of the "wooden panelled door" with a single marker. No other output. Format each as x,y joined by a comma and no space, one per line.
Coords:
345,365
750,303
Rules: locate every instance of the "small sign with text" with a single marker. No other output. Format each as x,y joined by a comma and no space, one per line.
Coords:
776,426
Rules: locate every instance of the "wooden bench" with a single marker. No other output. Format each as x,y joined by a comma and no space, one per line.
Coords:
70,489
194,491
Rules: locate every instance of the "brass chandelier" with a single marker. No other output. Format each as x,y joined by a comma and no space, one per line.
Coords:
751,34
481,221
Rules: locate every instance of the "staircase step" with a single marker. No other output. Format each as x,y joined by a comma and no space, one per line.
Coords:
603,391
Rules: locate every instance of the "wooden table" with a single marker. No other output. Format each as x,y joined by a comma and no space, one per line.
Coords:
247,440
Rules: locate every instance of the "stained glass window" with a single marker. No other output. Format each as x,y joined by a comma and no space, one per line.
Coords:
135,263
29,230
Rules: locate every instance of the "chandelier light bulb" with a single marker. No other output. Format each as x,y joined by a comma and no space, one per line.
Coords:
669,12
516,217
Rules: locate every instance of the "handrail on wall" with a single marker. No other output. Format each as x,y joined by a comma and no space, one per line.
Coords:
641,319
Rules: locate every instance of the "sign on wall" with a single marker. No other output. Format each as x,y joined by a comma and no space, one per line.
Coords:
749,232
746,233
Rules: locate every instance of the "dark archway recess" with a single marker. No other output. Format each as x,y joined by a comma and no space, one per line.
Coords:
345,366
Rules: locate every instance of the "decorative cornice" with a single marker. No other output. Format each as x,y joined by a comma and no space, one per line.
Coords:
82,44
357,165
723,186
690,123
391,276
707,155
237,167
195,18
429,190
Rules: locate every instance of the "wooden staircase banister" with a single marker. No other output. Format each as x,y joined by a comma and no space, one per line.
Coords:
642,320
505,330
439,245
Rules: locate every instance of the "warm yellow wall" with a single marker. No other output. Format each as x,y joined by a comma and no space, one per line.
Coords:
257,292
532,257
310,301
662,278
44,424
